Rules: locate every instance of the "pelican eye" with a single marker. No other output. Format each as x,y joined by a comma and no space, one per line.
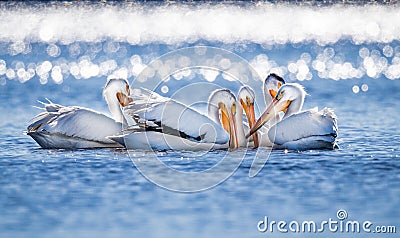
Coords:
128,89
233,108
280,95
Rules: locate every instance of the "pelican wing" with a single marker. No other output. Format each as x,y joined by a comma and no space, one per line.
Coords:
145,140
154,112
76,122
306,124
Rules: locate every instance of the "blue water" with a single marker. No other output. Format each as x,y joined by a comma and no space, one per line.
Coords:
100,193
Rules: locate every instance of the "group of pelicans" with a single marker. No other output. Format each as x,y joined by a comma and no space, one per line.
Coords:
147,120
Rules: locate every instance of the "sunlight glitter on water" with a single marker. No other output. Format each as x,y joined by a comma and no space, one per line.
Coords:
72,51
343,58
138,24
325,62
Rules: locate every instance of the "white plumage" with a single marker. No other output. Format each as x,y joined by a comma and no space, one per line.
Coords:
165,124
153,140
246,97
72,127
311,129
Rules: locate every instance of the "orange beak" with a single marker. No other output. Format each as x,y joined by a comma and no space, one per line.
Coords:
123,99
225,121
272,93
273,109
251,118
229,124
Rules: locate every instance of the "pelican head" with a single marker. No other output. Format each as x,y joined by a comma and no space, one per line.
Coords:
222,109
247,97
118,88
271,86
289,98
116,93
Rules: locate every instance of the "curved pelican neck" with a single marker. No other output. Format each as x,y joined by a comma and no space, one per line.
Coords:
295,106
240,128
213,113
114,107
267,96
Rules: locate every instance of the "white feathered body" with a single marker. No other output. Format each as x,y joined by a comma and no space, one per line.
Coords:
310,129
166,124
72,128
153,140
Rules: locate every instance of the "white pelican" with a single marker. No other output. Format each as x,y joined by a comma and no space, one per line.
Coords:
223,109
165,124
298,130
271,86
246,97
72,127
